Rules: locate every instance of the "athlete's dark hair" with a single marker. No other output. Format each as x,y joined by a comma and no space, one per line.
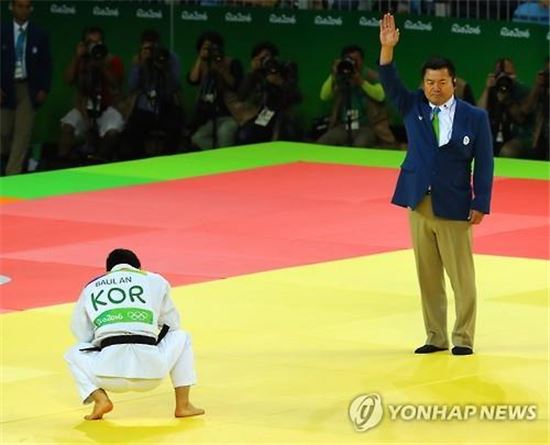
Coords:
122,256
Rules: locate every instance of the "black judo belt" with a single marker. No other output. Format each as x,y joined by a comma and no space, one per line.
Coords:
130,339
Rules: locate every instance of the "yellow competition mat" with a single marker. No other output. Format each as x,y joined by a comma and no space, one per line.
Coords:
283,355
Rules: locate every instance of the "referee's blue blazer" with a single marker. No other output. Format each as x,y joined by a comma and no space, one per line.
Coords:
445,170
37,59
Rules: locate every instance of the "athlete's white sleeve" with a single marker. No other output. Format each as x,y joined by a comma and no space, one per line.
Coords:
168,312
81,324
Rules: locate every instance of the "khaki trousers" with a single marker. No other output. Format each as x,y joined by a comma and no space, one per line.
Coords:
16,129
444,245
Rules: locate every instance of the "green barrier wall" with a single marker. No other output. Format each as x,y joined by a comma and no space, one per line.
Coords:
312,38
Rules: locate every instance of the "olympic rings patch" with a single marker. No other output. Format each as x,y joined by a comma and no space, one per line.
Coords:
137,316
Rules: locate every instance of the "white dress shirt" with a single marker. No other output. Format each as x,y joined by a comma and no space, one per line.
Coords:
20,71
446,118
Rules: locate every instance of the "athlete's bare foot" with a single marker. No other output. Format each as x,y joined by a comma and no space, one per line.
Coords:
102,405
184,408
188,411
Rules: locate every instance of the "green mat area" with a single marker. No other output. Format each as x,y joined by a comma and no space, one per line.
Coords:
59,182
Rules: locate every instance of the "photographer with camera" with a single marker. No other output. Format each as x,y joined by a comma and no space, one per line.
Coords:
218,78
535,107
98,78
537,104
268,94
359,117
503,97
155,102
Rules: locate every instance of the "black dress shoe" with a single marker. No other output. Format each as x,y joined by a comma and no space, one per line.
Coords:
462,350
428,349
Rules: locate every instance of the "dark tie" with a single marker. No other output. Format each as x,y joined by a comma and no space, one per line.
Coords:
20,44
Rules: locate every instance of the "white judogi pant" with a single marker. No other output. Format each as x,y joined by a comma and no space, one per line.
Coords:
176,358
110,119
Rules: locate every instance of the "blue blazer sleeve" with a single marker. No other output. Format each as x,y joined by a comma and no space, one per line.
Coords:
399,95
38,61
483,164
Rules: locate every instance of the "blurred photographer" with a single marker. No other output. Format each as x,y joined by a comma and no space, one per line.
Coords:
97,76
268,94
503,97
537,105
218,78
155,101
359,117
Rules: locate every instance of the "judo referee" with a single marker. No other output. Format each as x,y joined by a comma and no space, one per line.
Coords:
117,320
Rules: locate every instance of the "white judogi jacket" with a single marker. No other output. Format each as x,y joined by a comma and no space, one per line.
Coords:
125,301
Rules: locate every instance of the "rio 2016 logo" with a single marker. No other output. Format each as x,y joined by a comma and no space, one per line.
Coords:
366,411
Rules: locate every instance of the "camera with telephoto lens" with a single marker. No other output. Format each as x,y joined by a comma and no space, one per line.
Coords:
286,69
160,58
214,53
504,83
271,65
158,67
346,67
97,51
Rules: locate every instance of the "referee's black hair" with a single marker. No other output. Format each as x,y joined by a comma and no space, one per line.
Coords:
438,63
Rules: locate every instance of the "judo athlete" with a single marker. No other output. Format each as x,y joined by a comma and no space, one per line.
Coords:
117,320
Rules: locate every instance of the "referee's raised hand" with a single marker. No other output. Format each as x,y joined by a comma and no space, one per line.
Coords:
389,34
